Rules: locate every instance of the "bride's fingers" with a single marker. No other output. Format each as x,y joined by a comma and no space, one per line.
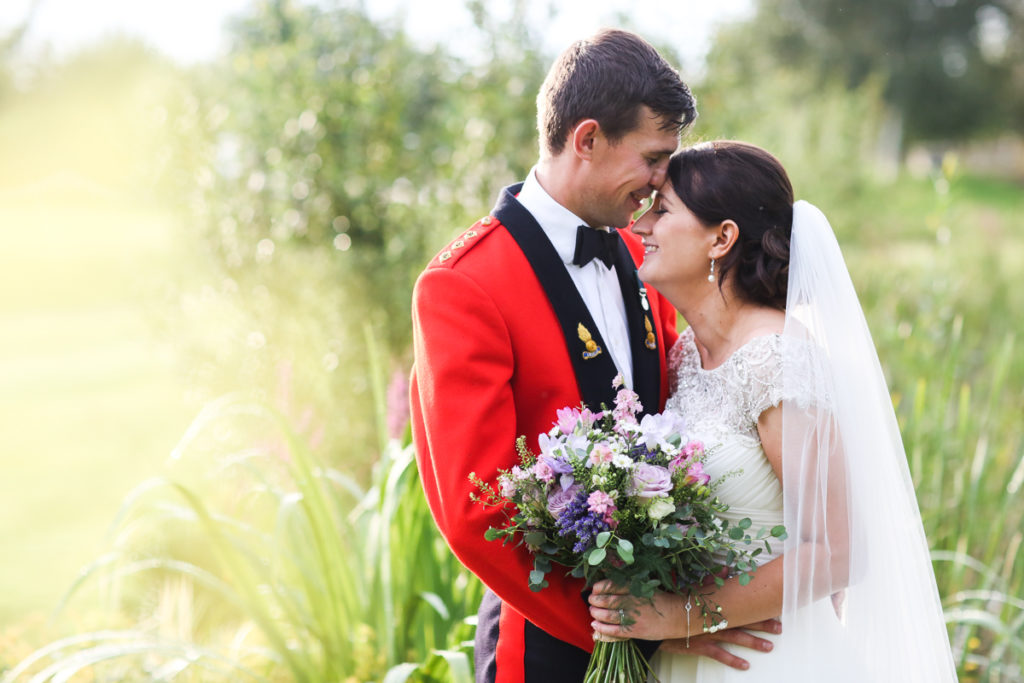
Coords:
608,600
608,616
607,587
603,631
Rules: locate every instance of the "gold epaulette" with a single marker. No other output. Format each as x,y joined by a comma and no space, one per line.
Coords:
449,255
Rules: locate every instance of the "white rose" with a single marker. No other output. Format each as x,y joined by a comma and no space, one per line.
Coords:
660,507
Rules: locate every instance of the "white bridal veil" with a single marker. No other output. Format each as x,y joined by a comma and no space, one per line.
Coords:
857,569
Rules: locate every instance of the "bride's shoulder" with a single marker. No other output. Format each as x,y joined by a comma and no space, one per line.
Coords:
782,366
684,344
683,353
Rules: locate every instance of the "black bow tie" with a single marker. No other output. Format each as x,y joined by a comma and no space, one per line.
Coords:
599,244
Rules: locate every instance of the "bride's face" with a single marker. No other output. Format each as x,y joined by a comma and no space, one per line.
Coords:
676,243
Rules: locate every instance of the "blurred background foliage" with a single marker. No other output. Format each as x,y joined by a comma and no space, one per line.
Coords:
271,210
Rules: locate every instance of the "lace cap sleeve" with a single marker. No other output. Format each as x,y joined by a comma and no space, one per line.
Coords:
676,357
782,369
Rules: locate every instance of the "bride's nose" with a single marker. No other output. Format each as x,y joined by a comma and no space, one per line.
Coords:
642,226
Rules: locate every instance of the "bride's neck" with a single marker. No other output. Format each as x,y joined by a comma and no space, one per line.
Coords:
722,324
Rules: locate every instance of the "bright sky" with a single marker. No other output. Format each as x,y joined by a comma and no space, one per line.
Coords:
190,30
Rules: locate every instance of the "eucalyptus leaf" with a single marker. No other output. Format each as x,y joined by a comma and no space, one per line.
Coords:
534,538
626,553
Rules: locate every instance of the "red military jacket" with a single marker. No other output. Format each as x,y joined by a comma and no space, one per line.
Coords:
498,349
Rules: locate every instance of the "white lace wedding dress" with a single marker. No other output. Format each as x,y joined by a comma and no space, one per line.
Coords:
721,407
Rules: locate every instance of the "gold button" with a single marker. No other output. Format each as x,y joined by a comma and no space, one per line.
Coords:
486,220
591,345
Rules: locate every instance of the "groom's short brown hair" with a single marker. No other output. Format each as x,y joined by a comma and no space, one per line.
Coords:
608,77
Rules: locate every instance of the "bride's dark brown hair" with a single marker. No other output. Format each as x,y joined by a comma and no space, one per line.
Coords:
730,180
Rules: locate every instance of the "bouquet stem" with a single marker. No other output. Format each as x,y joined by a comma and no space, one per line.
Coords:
618,661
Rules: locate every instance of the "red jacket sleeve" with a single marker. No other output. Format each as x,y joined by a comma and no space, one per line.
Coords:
465,421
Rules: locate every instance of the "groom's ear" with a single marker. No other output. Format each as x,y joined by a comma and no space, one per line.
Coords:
725,236
582,138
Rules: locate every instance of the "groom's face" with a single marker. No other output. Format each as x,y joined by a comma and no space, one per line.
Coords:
625,172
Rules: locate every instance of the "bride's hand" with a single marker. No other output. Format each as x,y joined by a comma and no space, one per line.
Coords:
617,614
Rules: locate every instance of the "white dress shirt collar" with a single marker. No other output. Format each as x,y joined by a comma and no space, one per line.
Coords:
558,222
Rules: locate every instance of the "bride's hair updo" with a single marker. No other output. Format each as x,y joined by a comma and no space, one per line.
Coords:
729,180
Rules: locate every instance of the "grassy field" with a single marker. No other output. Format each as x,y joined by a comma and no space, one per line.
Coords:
90,401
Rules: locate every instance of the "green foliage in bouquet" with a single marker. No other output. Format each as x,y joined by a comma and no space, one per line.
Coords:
614,497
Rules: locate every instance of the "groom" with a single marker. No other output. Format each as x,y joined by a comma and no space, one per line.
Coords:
536,307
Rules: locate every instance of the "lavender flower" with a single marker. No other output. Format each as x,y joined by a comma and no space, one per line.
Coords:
577,520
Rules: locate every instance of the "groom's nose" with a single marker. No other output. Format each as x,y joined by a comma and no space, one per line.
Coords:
659,174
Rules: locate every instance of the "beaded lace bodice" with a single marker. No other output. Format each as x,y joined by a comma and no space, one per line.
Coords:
726,400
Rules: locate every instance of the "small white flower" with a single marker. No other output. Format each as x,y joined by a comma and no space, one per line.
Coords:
622,461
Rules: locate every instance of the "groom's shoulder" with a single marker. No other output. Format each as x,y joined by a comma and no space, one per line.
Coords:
468,241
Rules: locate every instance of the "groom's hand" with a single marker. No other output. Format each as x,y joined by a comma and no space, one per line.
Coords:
710,644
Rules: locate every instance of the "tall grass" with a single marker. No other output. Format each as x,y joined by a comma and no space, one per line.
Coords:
281,569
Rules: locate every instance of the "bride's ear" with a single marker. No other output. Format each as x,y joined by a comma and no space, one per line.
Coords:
725,236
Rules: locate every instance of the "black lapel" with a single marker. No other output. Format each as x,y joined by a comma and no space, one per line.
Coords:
646,367
594,375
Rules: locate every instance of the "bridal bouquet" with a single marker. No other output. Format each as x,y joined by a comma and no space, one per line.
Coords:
613,497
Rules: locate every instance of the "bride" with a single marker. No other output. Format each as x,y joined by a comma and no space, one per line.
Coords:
778,376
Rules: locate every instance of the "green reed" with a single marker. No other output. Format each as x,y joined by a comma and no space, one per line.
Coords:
294,571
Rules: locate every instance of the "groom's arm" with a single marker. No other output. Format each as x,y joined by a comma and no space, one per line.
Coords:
711,645
464,421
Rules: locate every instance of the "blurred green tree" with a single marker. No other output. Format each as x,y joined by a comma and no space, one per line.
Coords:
9,44
950,69
325,160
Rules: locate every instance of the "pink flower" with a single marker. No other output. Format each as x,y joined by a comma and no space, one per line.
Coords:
651,481
506,487
627,405
567,419
587,418
600,455
695,474
398,404
600,503
543,471
688,453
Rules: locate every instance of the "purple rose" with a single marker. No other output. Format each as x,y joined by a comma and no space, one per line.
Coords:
651,481
560,498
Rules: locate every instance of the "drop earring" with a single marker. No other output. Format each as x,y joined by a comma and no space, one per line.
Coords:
711,275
